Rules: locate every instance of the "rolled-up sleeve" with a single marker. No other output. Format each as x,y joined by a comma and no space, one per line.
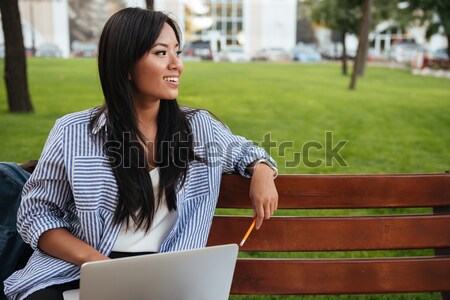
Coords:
235,151
46,193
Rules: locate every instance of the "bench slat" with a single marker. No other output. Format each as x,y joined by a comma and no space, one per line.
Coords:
352,276
345,191
335,233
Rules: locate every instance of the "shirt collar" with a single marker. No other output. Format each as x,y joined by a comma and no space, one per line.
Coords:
100,123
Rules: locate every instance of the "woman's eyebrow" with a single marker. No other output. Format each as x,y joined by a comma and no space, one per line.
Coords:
164,45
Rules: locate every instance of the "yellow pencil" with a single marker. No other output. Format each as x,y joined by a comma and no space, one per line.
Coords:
248,232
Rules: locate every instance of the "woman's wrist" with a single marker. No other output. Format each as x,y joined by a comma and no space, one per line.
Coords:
93,255
263,162
264,169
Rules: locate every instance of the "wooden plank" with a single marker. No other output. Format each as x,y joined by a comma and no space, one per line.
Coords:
345,191
443,251
351,276
335,233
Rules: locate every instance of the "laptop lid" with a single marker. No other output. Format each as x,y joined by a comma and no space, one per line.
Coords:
200,274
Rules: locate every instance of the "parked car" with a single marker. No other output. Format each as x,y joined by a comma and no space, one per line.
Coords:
441,54
198,49
404,52
306,53
84,50
374,55
272,54
48,50
234,54
431,59
335,51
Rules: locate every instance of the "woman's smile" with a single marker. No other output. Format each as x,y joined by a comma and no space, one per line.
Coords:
172,81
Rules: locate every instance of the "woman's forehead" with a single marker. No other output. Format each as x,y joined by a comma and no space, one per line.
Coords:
167,36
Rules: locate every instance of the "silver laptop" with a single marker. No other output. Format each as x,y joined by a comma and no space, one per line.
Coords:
201,274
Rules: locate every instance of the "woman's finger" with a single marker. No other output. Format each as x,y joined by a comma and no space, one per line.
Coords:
259,215
267,212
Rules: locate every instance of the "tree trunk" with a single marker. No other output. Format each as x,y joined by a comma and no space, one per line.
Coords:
363,36
367,18
15,61
344,54
150,5
448,45
362,65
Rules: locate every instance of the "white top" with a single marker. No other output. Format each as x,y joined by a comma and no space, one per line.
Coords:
140,241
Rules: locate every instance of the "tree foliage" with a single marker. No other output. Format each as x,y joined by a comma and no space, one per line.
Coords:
345,17
338,15
426,12
346,14
341,16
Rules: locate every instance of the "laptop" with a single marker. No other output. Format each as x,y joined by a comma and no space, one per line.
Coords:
200,274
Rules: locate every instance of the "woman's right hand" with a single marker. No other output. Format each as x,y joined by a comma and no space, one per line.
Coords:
60,243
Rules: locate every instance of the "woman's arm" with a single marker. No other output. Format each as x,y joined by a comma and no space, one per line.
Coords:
42,218
60,243
238,155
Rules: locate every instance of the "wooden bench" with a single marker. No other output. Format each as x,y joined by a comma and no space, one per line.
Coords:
400,230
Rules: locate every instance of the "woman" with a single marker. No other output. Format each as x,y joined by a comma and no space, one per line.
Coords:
136,175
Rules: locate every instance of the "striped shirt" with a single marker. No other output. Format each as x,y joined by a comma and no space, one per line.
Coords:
73,186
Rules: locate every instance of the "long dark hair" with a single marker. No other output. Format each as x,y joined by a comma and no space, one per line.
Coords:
126,37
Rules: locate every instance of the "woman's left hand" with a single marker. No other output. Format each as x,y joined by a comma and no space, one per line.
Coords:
263,193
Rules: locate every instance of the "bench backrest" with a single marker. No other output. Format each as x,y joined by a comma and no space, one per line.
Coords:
428,228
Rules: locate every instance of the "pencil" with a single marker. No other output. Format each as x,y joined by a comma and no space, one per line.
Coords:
248,232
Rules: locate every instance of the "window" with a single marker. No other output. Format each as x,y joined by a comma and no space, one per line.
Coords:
227,19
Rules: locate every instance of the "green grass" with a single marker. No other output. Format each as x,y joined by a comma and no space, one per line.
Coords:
393,123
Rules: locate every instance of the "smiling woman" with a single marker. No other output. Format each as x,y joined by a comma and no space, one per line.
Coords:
124,178
156,74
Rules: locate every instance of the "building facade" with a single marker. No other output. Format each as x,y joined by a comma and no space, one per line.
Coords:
67,24
45,21
252,24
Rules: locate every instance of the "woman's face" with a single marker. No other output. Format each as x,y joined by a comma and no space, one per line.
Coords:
156,74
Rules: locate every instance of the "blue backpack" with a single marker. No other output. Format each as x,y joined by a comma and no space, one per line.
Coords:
14,252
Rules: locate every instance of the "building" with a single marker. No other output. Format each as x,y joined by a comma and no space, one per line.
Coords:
67,24
388,33
45,21
253,24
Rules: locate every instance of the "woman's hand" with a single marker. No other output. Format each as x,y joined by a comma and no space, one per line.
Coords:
263,193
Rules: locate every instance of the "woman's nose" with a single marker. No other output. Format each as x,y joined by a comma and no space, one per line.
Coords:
176,63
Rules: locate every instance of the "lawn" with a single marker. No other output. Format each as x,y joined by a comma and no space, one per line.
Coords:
393,123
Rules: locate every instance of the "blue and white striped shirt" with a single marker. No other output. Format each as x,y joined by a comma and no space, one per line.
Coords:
73,186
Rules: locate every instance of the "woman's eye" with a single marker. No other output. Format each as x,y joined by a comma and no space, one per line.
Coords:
179,52
161,53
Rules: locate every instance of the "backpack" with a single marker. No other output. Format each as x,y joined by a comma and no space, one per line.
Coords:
14,252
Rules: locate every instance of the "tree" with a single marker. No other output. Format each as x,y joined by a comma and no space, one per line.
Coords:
149,4
363,43
338,15
15,62
376,10
425,11
344,17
